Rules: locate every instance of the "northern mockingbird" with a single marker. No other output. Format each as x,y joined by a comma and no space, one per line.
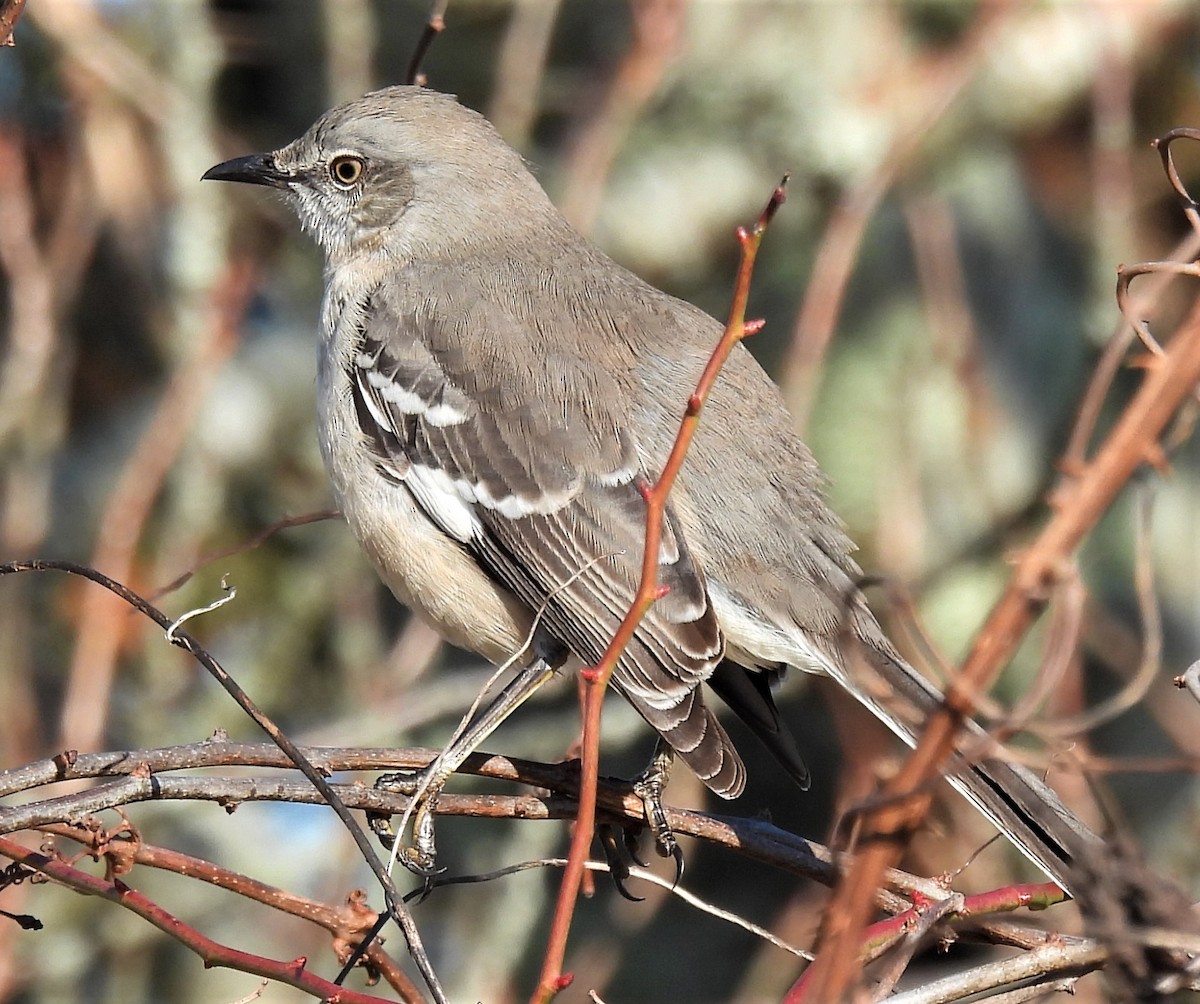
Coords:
491,389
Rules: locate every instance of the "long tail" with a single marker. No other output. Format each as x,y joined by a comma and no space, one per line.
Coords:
1020,805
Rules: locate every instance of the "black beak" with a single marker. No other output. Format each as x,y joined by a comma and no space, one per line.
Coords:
257,169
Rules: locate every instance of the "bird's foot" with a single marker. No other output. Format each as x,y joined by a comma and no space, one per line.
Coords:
649,787
419,857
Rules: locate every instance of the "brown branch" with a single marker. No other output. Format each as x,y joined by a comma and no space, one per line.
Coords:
658,28
142,778
142,775
552,979
1169,383
838,248
102,623
292,973
520,68
10,13
1138,685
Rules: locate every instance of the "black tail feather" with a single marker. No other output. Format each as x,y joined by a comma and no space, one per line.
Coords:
748,694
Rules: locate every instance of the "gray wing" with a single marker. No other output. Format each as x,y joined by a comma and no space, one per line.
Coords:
518,449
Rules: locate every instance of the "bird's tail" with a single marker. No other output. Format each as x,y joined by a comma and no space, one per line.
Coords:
1020,805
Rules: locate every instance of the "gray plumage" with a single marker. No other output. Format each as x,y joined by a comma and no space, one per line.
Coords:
491,388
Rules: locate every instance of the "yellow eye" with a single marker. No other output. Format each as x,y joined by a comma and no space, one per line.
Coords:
345,170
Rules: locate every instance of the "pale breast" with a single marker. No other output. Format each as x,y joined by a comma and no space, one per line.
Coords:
428,571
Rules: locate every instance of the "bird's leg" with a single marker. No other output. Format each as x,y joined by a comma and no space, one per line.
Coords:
649,787
424,786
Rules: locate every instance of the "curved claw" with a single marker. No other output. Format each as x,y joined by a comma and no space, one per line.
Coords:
676,852
427,886
422,865
381,825
649,788
620,884
617,868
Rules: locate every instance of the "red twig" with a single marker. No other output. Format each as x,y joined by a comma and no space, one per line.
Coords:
879,936
293,972
596,677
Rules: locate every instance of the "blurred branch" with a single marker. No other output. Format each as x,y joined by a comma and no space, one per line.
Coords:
86,40
1150,663
350,35
658,27
1170,381
10,13
838,247
520,68
103,623
32,343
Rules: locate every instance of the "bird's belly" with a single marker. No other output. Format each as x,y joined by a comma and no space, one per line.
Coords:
427,571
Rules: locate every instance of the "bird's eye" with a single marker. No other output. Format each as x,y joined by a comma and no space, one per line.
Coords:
345,170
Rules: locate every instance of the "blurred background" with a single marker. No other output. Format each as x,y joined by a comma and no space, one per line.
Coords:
965,178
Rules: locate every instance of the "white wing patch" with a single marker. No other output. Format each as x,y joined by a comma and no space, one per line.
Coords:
443,501
405,401
514,506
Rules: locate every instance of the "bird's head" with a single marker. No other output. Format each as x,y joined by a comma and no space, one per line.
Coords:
404,172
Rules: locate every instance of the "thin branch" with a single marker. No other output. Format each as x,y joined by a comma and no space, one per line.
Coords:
283,523
189,644
434,25
1044,966
1169,383
596,678
914,935
1150,663
674,888
292,973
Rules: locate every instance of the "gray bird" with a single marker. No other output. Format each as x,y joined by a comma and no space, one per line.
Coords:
491,389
